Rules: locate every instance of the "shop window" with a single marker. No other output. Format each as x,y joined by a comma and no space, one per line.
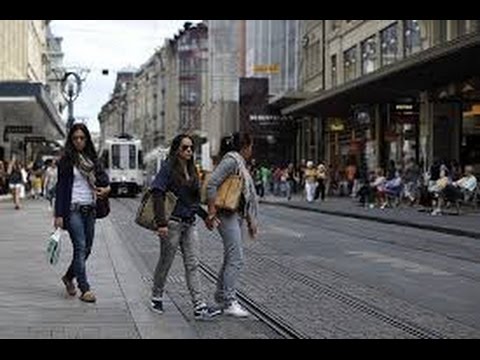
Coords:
350,63
369,55
389,45
412,37
334,70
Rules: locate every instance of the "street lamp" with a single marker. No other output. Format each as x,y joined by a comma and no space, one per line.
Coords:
71,88
361,119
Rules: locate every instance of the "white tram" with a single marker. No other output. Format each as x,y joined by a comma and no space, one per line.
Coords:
123,161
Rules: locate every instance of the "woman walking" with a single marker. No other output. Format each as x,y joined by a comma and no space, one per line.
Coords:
81,180
15,181
178,175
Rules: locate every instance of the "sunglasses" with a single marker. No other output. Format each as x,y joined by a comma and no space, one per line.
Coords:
186,147
78,138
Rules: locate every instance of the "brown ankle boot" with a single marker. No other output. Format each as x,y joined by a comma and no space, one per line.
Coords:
88,296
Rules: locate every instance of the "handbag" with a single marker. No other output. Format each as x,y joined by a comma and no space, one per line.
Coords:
229,193
102,208
146,212
54,246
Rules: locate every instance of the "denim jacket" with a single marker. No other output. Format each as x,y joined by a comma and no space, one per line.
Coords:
188,197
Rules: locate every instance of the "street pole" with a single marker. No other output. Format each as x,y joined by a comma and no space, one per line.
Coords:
70,100
71,88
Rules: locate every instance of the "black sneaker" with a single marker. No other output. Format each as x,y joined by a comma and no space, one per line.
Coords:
157,305
204,312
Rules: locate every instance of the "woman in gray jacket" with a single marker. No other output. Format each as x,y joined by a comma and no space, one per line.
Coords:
235,151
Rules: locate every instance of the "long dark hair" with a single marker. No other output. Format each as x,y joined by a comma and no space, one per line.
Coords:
174,162
71,154
235,142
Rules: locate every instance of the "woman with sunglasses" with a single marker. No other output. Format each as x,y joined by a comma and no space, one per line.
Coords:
179,176
81,180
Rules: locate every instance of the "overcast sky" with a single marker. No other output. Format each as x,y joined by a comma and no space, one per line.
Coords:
108,44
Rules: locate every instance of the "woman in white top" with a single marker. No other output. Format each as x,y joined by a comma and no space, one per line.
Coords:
81,182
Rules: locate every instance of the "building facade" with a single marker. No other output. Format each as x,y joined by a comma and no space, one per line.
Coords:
29,119
55,67
166,96
226,64
393,90
24,55
272,51
113,118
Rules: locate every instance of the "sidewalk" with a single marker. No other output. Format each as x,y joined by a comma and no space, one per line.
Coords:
467,224
4,198
34,303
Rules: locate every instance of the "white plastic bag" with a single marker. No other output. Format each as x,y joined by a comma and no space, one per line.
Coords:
54,246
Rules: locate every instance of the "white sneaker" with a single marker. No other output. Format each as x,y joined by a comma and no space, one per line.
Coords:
436,212
235,309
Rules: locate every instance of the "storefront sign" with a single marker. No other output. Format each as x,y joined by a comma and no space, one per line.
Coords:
336,125
34,139
407,113
269,118
266,69
16,129
405,109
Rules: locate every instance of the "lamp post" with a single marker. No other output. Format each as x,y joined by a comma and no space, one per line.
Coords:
71,88
361,118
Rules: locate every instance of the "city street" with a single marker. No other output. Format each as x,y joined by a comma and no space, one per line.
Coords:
360,138
322,276
332,277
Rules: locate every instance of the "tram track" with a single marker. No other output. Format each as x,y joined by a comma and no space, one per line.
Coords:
288,330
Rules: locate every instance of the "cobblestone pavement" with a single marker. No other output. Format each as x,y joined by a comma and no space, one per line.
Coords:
144,247
34,303
334,277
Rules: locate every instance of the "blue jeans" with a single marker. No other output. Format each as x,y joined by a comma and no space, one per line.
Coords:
230,230
81,227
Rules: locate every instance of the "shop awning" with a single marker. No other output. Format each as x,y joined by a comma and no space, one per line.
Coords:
457,60
28,105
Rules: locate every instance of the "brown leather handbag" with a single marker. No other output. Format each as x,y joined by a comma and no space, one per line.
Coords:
228,194
146,212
